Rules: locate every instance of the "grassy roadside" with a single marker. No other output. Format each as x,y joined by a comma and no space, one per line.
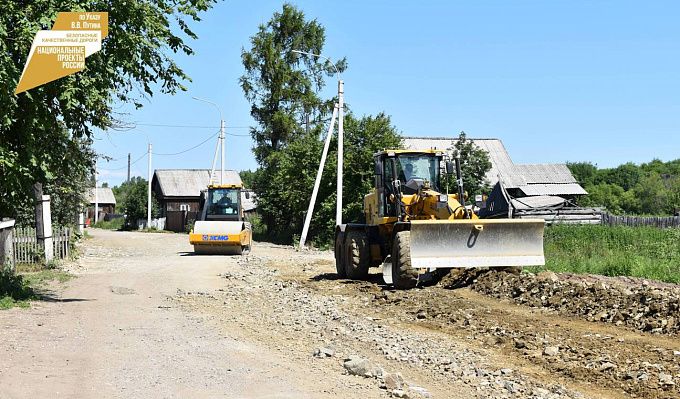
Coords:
113,224
18,289
646,252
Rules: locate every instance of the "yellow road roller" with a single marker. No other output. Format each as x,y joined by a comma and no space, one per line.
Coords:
221,228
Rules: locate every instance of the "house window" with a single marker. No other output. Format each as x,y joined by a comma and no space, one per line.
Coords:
184,207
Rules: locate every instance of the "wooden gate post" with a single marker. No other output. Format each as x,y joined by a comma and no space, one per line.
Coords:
43,222
6,250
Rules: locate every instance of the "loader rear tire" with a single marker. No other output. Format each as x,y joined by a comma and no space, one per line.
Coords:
339,257
403,275
357,255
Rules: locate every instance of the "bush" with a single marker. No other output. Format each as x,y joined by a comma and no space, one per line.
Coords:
113,224
13,290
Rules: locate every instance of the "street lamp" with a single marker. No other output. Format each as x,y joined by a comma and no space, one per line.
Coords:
220,142
340,108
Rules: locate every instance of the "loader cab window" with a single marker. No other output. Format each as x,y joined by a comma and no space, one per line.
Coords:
389,207
223,202
418,166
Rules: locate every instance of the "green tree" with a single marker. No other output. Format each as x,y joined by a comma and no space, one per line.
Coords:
626,176
604,195
584,172
135,201
653,195
46,133
281,85
247,177
297,166
474,164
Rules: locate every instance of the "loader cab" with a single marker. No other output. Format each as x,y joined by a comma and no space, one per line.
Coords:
411,169
223,202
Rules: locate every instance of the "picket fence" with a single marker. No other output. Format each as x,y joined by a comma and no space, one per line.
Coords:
26,249
636,221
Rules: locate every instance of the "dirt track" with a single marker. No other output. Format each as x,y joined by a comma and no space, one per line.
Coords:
146,319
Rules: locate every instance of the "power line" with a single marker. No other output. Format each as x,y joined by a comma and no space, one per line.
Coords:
190,126
191,148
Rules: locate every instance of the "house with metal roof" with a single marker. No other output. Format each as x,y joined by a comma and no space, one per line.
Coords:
542,190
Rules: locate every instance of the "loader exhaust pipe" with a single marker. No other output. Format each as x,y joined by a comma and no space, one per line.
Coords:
461,192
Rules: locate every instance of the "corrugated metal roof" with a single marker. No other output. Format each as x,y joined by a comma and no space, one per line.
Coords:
189,182
498,155
539,173
104,195
553,189
543,177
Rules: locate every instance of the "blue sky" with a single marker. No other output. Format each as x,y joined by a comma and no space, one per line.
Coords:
557,81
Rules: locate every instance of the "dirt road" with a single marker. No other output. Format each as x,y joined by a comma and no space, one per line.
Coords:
146,319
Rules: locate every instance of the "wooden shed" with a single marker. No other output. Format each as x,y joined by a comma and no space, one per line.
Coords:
105,200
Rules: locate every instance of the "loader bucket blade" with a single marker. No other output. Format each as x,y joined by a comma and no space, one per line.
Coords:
476,243
220,237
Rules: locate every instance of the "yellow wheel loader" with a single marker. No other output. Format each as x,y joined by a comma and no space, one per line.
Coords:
220,227
413,230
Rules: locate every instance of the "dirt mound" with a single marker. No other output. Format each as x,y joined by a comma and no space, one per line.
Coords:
637,304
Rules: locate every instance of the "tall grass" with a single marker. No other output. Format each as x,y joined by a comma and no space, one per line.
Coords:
614,251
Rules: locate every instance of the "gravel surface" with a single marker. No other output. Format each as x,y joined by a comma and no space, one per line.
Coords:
147,318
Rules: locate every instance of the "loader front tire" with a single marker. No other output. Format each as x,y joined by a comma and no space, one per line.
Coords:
403,275
339,257
357,255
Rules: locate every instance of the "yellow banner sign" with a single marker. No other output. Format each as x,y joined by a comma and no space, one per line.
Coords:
62,51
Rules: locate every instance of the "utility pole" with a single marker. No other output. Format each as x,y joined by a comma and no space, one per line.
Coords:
339,107
315,191
222,145
128,179
148,204
341,152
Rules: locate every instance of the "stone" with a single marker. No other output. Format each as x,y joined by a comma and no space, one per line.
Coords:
510,386
393,381
506,371
666,379
323,352
421,315
547,276
551,350
540,392
418,392
519,344
607,366
358,366
398,393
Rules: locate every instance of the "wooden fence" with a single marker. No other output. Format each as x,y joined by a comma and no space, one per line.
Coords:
634,221
27,250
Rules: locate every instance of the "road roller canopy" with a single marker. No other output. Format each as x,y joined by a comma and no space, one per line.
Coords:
223,202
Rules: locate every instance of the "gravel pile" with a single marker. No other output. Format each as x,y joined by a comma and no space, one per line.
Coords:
642,306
